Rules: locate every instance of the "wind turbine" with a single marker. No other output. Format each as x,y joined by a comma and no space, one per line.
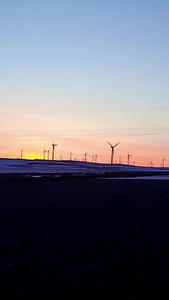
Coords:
128,158
112,151
44,152
53,150
163,162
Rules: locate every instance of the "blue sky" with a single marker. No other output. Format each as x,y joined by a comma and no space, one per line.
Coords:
74,56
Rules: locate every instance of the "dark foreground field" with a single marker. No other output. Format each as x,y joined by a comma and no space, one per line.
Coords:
75,238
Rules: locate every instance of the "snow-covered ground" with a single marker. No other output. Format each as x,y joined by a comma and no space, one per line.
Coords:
9,166
35,167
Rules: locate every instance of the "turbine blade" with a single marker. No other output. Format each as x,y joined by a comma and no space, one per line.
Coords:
110,144
116,144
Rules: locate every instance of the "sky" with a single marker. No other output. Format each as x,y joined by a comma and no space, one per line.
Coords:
84,73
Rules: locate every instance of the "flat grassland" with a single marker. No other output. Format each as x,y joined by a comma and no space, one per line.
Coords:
80,237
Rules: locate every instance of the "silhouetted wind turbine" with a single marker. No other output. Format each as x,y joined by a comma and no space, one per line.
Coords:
163,162
128,158
85,157
21,154
53,150
44,152
112,151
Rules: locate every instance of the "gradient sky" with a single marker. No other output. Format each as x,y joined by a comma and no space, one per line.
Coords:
84,73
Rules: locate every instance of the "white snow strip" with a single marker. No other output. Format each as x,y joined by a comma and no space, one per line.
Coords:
160,177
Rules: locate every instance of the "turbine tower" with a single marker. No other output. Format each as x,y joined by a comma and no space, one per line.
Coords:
112,151
163,162
22,154
85,157
128,158
53,150
44,152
